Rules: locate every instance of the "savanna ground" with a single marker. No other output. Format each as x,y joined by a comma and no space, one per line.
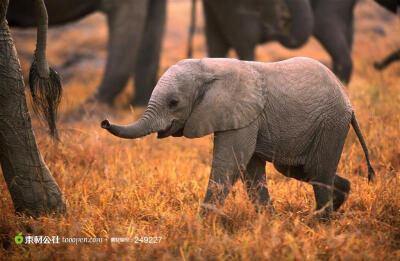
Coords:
150,187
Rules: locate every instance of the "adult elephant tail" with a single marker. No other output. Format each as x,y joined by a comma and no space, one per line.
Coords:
371,172
192,29
44,82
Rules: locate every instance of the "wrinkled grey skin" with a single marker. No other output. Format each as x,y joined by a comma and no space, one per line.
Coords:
33,189
242,24
293,113
136,29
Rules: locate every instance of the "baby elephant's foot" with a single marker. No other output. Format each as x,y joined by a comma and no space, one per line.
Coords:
206,209
323,214
266,208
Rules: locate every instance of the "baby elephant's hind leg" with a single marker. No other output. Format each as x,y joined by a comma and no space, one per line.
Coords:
340,192
256,185
323,197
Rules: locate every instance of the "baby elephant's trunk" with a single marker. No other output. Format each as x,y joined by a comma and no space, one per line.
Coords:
133,131
371,172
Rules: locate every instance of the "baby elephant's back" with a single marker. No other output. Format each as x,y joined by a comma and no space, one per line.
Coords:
305,85
303,98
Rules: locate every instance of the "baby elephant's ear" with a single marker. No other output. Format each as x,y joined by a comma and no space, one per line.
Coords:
231,101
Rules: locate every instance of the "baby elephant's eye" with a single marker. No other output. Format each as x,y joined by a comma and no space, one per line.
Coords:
173,103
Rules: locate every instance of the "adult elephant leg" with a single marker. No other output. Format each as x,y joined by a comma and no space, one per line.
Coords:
31,185
335,43
147,64
350,29
126,21
217,45
256,185
232,152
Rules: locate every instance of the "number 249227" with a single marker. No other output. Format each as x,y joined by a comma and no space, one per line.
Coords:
147,240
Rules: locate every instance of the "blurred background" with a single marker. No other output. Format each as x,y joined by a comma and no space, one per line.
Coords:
78,50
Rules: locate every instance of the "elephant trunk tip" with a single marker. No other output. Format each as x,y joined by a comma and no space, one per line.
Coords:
105,124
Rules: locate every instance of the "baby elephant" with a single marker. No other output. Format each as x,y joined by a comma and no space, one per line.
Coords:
294,113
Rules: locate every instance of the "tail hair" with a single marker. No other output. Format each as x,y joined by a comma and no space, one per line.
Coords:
46,96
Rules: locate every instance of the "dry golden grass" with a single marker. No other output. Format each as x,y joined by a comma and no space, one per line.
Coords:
150,187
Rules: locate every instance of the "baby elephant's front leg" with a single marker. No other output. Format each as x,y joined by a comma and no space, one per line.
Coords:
256,185
219,184
232,152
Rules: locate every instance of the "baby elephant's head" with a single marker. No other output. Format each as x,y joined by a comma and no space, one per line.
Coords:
197,97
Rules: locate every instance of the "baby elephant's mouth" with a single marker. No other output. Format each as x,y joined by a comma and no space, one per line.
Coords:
175,130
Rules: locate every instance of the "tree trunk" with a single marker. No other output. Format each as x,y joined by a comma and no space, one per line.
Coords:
32,187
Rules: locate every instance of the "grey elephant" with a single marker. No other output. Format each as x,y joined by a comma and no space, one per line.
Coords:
243,24
392,6
33,189
135,34
294,113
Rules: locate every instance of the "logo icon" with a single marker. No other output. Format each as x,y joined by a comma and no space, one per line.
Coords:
19,239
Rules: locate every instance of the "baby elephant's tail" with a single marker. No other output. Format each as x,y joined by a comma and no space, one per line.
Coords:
371,172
